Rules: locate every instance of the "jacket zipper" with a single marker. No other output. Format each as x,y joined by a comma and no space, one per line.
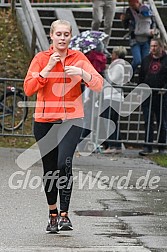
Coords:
65,111
43,112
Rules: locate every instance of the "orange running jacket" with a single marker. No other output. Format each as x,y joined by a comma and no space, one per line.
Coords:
59,96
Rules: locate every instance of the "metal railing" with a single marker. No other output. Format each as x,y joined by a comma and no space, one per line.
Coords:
67,2
16,120
8,3
131,128
34,28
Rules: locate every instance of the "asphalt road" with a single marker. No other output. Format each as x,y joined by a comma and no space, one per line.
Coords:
118,205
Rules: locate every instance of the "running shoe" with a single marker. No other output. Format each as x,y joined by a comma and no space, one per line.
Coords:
52,226
64,223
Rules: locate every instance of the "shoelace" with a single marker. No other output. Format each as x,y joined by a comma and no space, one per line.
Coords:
53,219
64,218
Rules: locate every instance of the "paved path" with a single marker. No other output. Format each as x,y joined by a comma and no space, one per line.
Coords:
118,205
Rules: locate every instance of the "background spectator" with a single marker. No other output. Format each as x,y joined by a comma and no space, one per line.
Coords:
98,60
139,20
154,73
104,9
114,95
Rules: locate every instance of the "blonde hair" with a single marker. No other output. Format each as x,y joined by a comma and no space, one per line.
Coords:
60,22
120,51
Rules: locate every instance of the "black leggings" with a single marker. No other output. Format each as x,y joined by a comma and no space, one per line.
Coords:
57,143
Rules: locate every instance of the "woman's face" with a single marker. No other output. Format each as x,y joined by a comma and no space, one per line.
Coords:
114,56
61,37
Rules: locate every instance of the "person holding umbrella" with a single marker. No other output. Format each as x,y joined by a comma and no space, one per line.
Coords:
91,44
99,60
87,40
55,76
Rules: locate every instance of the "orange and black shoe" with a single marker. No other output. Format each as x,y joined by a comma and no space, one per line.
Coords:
52,226
64,223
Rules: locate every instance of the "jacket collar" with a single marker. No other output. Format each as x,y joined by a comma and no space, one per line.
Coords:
70,52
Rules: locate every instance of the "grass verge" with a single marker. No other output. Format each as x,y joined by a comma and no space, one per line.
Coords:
160,159
16,142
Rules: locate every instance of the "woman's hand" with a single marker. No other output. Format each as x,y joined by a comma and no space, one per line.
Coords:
72,70
54,58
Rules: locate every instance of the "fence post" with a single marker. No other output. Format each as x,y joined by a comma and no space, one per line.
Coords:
13,8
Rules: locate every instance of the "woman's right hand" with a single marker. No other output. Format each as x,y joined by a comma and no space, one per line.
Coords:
54,58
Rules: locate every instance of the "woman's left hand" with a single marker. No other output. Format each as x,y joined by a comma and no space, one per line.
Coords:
72,70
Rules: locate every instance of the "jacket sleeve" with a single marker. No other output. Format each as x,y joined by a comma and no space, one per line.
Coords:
33,82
